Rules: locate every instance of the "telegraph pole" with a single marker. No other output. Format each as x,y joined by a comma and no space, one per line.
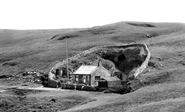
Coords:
67,57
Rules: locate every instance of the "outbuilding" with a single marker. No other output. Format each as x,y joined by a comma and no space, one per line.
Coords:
109,82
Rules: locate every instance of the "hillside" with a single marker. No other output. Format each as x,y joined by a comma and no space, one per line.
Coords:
22,50
163,80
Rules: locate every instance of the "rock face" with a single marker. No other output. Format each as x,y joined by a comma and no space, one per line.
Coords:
131,59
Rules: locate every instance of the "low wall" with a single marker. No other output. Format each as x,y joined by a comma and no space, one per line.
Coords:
145,63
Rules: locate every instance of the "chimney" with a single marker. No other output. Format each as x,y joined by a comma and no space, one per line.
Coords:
100,63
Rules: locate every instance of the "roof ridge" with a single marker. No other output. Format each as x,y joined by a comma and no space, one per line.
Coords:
86,69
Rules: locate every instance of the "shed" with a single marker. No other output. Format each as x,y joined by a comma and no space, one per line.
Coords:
113,84
89,75
109,82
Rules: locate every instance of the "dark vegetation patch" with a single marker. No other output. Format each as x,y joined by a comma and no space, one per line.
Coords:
62,36
10,64
141,24
5,76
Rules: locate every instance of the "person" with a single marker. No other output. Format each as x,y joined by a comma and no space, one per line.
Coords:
54,79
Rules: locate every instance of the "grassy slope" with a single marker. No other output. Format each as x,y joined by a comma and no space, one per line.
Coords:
36,50
164,80
164,85
28,49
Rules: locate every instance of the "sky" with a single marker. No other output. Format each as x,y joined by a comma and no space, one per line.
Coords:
54,14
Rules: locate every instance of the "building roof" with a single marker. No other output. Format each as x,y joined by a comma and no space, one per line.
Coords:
85,69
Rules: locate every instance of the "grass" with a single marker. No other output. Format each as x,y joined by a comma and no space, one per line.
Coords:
144,96
164,85
20,101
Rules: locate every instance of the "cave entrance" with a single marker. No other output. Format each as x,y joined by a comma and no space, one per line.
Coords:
121,57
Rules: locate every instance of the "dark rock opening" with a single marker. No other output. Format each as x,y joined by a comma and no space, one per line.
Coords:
121,57
10,64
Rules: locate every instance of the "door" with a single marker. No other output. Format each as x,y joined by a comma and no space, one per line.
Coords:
102,84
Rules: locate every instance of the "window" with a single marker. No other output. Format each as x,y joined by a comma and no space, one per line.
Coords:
76,78
84,80
97,77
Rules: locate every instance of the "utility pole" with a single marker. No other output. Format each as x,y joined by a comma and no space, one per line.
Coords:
67,57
